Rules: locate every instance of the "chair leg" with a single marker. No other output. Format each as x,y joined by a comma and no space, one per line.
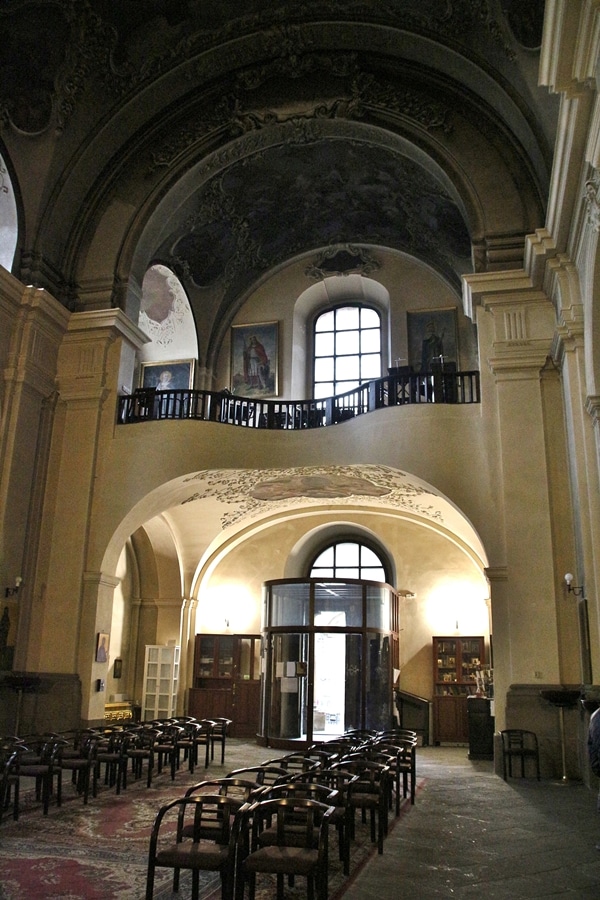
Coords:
150,881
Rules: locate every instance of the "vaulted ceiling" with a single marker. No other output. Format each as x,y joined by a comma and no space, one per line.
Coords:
226,140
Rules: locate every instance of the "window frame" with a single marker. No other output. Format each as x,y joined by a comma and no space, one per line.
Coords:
340,386
360,574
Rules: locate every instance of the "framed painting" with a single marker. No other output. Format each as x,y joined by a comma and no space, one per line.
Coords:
255,359
177,375
102,647
432,338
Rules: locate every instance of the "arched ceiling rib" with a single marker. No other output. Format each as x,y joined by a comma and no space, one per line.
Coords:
208,508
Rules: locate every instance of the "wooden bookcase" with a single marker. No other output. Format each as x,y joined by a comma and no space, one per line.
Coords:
455,662
227,680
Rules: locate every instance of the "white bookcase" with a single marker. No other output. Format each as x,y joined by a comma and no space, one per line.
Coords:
161,679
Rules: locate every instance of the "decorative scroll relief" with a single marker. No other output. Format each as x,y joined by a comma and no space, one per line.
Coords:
592,200
252,493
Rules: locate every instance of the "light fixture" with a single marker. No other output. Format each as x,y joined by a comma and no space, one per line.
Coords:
11,591
571,588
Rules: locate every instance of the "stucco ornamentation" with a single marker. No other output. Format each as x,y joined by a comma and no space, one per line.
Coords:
252,493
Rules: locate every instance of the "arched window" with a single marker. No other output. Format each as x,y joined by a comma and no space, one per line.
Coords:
347,349
349,559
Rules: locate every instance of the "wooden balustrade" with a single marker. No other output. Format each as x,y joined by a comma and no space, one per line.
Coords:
148,404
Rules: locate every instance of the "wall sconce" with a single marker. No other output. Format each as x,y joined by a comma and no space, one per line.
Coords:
12,591
571,588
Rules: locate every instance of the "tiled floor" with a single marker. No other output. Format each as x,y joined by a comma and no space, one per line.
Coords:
470,834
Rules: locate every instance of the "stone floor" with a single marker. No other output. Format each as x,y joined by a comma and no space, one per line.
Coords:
470,834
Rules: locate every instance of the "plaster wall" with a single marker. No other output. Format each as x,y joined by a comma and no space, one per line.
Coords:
450,588
411,285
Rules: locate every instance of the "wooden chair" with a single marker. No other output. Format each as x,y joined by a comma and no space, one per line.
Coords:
9,779
219,736
203,738
112,754
141,749
336,781
165,747
293,852
403,765
79,757
521,744
38,760
369,792
197,817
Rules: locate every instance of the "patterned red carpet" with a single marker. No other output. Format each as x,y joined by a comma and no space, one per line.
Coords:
99,851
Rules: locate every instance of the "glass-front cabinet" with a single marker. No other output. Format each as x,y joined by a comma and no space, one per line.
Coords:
161,679
330,648
226,680
456,664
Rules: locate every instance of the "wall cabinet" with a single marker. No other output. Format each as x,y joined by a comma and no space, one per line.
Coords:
456,660
161,680
227,680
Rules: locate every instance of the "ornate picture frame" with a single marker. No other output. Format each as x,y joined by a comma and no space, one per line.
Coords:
254,363
102,644
169,375
432,335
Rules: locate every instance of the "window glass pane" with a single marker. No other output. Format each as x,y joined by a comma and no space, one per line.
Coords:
347,317
369,318
324,344
342,387
347,572
347,333
325,558
370,341
324,369
338,605
289,604
378,680
325,321
378,608
324,389
322,572
346,367
347,554
370,367
368,557
347,342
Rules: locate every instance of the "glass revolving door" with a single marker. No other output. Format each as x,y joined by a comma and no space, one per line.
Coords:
330,648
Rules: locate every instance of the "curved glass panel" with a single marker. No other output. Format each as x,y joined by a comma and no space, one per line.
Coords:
290,605
378,607
338,605
333,669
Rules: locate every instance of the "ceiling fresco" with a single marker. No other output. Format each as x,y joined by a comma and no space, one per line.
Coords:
254,492
287,200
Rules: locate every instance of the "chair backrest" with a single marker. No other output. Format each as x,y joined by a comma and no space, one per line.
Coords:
261,774
239,788
293,761
221,725
518,739
213,815
310,790
286,812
